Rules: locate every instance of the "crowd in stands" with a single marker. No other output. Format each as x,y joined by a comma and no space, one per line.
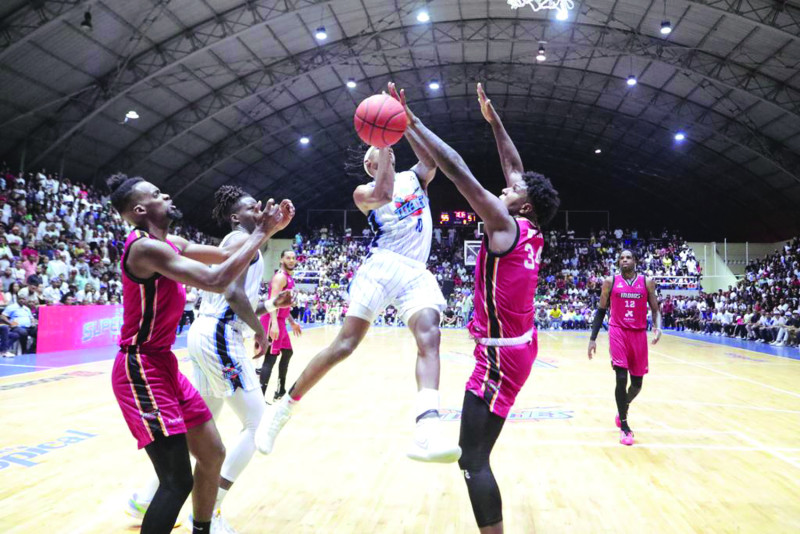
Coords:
60,244
570,275
763,307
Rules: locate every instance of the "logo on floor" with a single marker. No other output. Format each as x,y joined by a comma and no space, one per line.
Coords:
24,455
542,413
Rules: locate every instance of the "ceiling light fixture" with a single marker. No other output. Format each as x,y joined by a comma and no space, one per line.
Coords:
86,25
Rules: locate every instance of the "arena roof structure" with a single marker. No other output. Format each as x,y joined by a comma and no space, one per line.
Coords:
224,89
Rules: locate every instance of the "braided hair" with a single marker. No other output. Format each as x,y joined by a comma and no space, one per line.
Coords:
225,199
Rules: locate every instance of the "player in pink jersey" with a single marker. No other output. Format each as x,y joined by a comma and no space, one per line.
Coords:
506,276
275,324
164,412
628,294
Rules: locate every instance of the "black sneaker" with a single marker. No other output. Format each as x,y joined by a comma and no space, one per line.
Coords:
279,395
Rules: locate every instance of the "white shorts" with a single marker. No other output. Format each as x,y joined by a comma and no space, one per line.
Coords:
389,278
219,359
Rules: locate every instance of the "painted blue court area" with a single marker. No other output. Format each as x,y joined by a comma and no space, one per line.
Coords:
782,352
28,363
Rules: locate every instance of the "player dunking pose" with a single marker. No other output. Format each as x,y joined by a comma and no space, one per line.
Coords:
275,324
165,414
628,294
394,272
506,275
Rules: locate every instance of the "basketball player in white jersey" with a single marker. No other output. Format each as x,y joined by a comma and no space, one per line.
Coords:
394,272
222,369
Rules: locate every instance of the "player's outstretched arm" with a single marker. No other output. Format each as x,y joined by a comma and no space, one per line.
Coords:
374,195
509,156
149,256
499,223
655,308
236,297
425,169
599,315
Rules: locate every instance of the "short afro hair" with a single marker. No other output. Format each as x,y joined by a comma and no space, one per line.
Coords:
542,195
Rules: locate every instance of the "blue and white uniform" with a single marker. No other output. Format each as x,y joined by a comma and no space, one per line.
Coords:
395,270
216,342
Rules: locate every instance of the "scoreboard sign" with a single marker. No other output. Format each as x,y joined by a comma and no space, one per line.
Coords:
457,218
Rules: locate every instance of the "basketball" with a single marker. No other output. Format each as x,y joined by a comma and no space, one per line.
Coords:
380,121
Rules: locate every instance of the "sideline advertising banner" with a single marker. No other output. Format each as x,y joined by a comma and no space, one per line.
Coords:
78,327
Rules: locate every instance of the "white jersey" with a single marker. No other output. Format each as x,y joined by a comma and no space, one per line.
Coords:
404,225
214,304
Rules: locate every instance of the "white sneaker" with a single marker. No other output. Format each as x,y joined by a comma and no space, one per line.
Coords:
268,430
430,445
220,526
136,508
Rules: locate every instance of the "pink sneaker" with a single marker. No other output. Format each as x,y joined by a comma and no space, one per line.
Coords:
626,438
617,422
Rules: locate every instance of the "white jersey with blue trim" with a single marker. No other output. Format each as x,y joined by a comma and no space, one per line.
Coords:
404,225
215,304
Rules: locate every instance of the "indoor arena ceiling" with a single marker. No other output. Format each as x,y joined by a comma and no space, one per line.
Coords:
224,89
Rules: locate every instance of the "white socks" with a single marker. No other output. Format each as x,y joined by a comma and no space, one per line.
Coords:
220,496
427,400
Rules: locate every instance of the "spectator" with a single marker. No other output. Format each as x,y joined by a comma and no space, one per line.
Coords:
22,326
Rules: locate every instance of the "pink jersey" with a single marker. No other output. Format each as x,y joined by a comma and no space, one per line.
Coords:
283,313
629,303
152,308
505,286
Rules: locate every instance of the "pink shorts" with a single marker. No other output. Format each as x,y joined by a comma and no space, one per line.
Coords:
283,341
499,374
628,349
154,396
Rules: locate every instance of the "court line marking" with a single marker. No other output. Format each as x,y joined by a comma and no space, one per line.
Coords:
772,451
699,403
42,367
683,446
731,375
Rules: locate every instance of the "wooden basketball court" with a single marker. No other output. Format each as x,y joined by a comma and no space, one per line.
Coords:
717,430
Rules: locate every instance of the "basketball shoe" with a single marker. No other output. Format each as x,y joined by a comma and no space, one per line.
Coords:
626,438
218,524
617,421
136,509
429,443
268,430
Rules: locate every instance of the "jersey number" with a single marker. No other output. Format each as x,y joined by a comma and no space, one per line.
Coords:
418,228
534,256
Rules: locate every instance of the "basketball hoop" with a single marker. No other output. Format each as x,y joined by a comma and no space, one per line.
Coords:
562,6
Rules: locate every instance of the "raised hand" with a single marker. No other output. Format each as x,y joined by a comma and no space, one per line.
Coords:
487,109
401,97
287,209
268,218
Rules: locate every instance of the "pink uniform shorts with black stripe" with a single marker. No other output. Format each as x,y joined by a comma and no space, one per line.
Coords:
628,349
154,396
283,341
500,372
